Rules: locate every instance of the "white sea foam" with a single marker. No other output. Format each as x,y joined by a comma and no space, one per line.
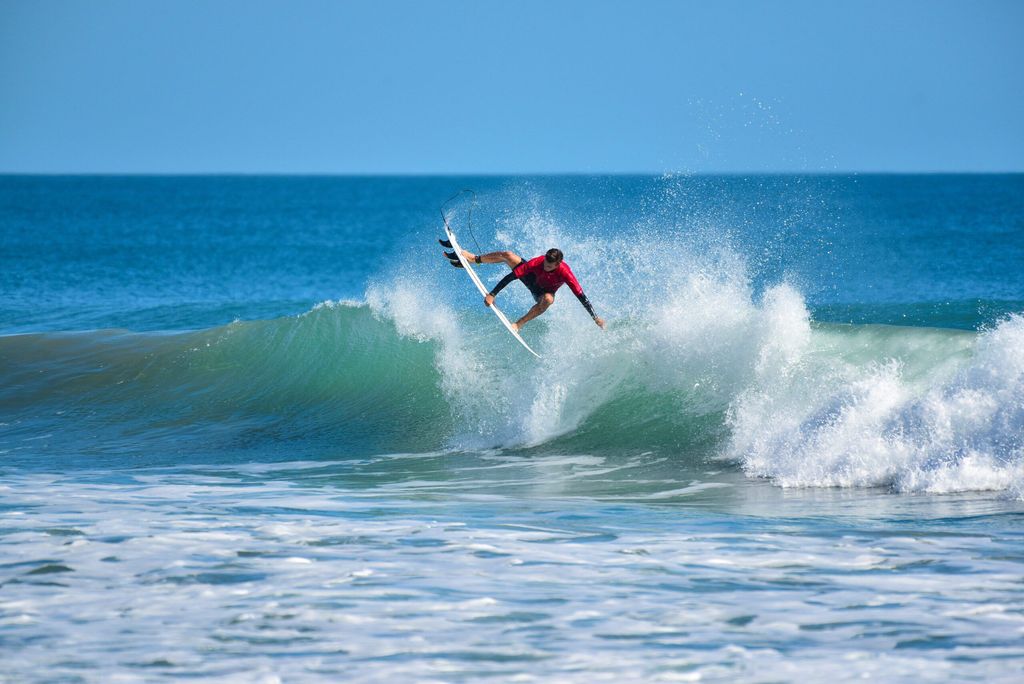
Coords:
306,582
336,304
872,425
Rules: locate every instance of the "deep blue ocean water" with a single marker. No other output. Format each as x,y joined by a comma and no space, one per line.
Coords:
257,429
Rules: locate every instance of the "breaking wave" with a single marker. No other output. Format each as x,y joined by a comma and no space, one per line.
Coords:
697,363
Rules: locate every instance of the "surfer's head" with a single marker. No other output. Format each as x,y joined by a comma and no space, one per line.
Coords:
552,258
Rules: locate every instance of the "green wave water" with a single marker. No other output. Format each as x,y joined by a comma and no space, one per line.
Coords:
345,379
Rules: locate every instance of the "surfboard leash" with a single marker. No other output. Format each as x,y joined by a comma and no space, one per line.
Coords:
469,214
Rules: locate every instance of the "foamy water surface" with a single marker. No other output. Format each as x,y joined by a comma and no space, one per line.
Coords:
301,572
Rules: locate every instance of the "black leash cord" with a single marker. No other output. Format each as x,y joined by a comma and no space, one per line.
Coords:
469,218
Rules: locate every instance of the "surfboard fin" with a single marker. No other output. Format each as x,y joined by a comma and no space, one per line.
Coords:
452,256
456,263
445,243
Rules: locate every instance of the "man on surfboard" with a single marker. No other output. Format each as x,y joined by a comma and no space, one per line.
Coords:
542,275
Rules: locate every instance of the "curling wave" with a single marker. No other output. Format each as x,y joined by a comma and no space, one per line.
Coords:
706,368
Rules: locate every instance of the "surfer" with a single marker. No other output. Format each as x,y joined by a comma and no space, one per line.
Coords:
542,275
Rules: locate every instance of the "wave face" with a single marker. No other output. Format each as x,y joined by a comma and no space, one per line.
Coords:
334,379
696,365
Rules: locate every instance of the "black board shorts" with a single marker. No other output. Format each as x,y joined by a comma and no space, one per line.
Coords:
536,291
530,283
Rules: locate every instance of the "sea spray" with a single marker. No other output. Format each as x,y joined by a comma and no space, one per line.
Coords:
746,377
690,337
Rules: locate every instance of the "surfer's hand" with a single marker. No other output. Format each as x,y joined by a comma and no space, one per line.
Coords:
488,299
599,321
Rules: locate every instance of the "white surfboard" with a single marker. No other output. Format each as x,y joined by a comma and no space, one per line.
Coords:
483,290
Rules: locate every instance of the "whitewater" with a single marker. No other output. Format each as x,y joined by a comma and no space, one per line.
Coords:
242,441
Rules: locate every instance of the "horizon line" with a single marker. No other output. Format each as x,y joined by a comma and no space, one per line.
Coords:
500,174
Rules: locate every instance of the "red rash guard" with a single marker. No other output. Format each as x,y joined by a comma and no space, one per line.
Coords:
541,282
547,281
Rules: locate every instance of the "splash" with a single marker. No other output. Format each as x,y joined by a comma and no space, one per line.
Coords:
956,424
703,359
694,347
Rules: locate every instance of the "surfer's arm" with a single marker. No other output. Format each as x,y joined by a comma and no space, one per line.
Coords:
574,285
586,304
502,283
589,307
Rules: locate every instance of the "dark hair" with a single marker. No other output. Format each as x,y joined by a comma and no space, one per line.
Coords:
554,255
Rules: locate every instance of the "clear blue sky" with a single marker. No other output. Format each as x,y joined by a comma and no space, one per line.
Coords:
519,86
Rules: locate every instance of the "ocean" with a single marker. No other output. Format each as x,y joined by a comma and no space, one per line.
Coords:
257,429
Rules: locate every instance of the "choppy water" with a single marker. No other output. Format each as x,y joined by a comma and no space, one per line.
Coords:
255,428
